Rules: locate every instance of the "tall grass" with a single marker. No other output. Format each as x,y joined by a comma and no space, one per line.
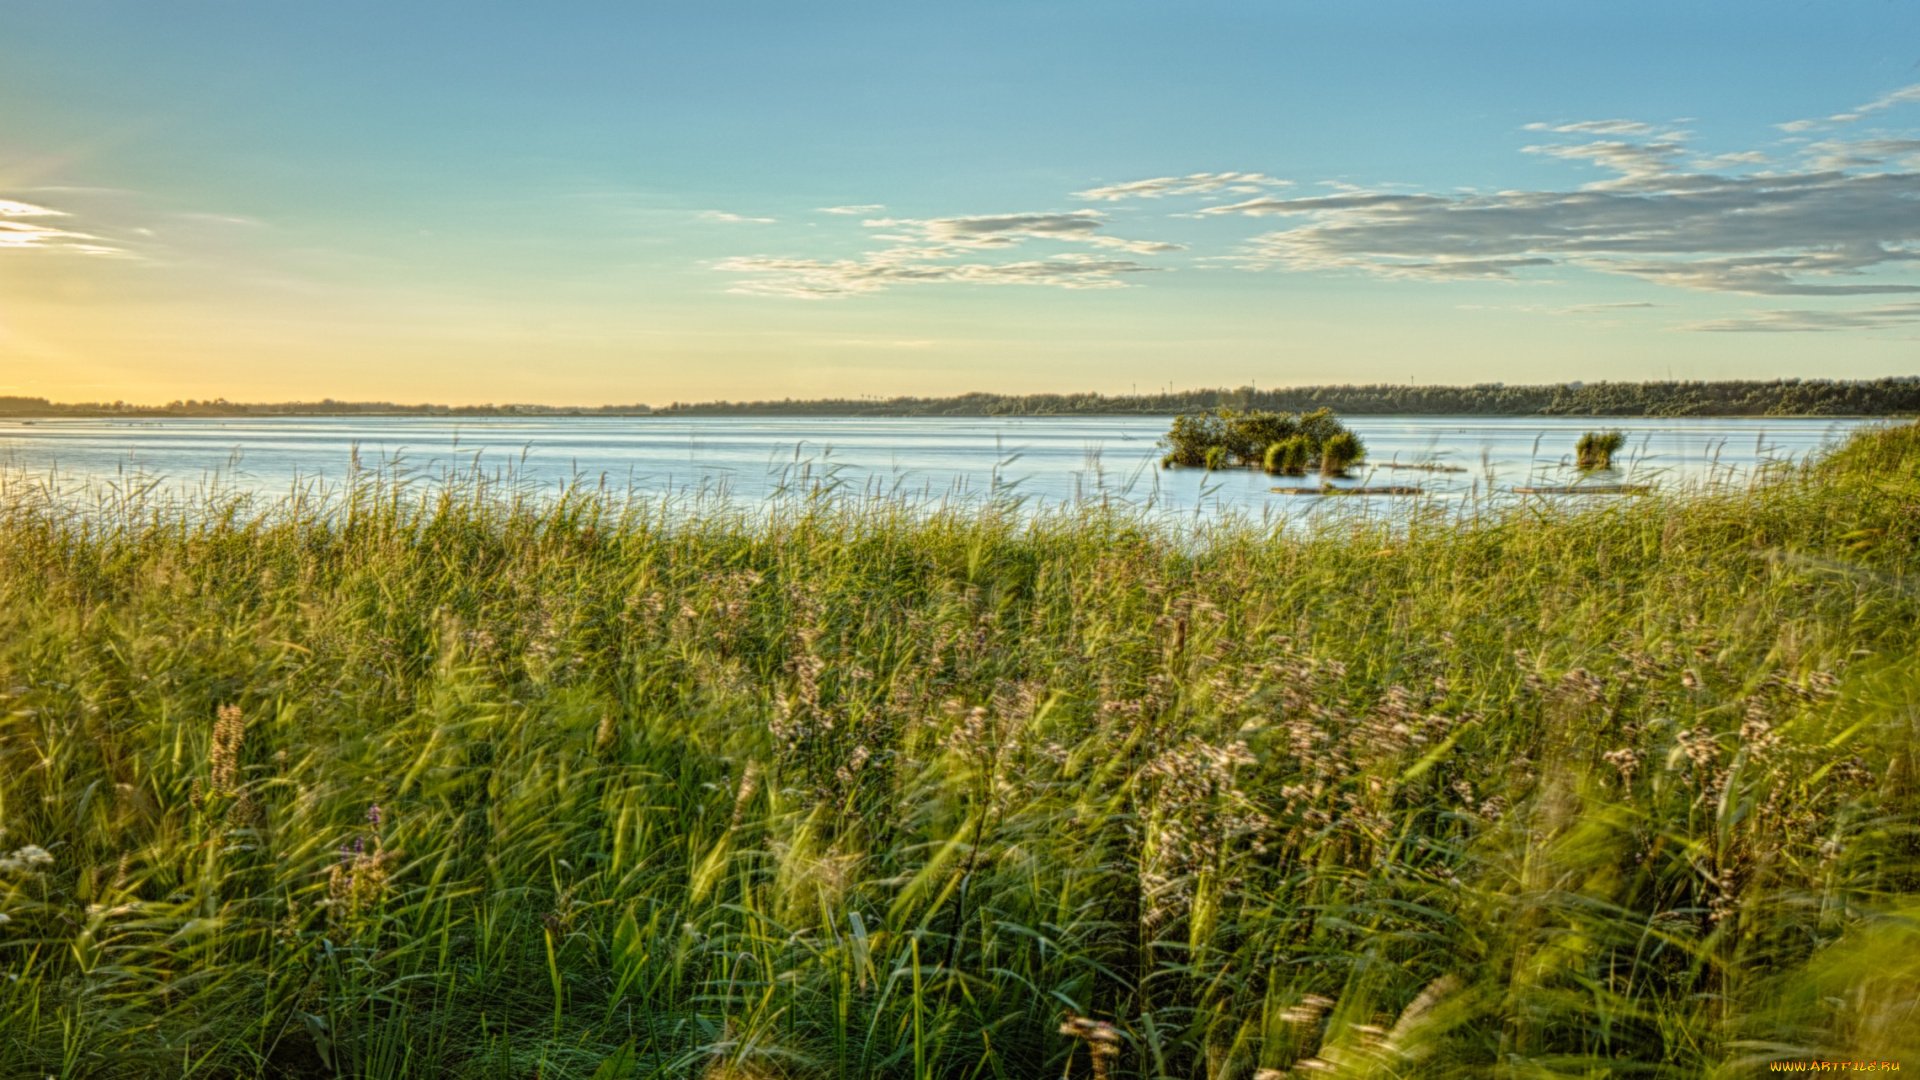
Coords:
1595,449
1340,453
1289,457
463,783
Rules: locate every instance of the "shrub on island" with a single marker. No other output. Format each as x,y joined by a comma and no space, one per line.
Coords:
1340,453
1595,449
1289,457
1286,444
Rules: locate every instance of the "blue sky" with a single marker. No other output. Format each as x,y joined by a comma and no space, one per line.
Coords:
596,203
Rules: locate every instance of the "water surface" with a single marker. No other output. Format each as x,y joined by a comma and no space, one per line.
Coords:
1044,460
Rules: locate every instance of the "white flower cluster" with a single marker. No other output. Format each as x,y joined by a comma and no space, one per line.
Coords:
32,859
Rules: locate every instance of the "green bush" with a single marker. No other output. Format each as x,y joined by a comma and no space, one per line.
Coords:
1245,437
1318,426
1289,457
1340,453
1216,457
1250,433
1596,448
1191,436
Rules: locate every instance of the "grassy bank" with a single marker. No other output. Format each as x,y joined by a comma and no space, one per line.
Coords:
478,788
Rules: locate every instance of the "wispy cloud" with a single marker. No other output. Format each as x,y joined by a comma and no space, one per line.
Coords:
1834,217
1596,127
1799,321
1732,160
1636,162
815,279
1906,95
1006,230
924,251
10,208
1159,187
1566,309
1603,314
722,217
1816,230
883,343
21,229
1840,154
1591,309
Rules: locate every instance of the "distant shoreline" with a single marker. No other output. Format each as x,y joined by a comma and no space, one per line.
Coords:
1728,398
18,408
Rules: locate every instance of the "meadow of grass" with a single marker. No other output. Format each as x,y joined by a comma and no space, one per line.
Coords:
461,782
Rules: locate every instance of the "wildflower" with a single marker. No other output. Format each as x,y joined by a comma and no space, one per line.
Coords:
223,758
1421,1007
1758,734
749,783
970,736
31,858
1726,896
855,762
1583,683
288,930
373,814
1308,1012
358,880
1102,1039
1699,746
1627,760
558,919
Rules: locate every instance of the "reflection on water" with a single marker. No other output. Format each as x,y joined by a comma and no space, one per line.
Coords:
1044,460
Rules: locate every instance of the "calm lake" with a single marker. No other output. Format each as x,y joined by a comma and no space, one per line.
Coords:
1044,460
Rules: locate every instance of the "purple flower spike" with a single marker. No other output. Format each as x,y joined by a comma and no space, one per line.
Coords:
373,813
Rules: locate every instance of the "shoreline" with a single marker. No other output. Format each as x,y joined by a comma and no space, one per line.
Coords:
1888,396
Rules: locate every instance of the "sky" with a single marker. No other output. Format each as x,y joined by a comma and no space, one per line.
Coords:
596,203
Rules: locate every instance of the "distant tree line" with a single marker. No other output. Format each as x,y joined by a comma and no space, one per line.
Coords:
1739,397
36,407
1736,397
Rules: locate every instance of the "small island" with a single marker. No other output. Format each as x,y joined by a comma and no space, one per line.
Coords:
1283,444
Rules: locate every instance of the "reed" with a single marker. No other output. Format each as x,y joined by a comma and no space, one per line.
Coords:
1289,457
461,781
1595,449
1340,453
